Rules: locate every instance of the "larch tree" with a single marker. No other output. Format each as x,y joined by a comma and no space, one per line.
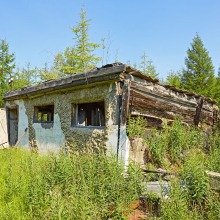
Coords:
25,76
199,73
81,56
147,66
6,63
174,79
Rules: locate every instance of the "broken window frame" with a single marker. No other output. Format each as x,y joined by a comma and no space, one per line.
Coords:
44,110
92,110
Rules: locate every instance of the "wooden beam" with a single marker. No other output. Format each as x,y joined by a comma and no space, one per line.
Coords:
125,102
140,87
19,140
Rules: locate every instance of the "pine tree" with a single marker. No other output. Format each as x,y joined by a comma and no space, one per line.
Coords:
147,66
199,73
81,56
6,63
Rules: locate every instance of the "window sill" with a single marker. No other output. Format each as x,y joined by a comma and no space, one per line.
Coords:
42,122
93,127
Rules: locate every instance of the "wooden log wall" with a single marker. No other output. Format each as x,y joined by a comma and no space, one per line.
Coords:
156,103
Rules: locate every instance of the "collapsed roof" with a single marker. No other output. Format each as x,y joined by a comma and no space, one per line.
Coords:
110,72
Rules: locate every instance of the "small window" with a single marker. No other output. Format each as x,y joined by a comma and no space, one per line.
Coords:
89,114
44,113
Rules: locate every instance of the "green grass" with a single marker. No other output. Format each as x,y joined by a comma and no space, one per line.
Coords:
85,186
92,185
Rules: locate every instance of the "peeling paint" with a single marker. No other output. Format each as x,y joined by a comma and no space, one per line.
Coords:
50,136
49,139
3,129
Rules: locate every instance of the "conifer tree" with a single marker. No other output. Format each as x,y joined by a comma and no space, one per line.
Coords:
174,79
199,73
81,56
25,76
147,66
216,89
6,63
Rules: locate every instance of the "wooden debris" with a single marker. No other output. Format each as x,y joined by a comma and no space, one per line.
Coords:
198,112
213,174
19,140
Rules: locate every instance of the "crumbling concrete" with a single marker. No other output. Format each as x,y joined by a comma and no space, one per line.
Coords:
124,90
3,129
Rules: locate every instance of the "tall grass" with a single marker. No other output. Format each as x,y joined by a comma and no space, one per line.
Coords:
189,152
77,186
92,185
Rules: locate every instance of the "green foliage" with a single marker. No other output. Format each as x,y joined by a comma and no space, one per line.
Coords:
47,73
25,77
171,142
76,186
199,73
6,63
136,126
147,67
174,79
152,197
194,176
158,148
177,206
81,56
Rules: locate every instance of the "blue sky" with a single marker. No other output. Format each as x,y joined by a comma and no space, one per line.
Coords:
163,28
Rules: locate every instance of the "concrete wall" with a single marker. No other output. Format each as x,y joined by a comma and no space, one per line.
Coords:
3,129
53,137
138,151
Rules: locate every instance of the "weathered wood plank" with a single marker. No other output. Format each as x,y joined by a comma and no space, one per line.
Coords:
150,102
140,87
125,102
166,109
151,121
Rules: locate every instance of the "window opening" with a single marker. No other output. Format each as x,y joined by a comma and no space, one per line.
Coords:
44,113
89,114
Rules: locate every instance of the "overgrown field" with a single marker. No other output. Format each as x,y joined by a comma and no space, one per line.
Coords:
92,185
188,152
85,186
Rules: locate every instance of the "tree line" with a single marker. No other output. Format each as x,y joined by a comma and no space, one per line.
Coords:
198,74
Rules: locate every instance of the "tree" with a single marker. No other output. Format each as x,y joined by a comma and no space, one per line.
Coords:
199,73
6,63
147,67
81,56
174,79
216,89
25,76
53,72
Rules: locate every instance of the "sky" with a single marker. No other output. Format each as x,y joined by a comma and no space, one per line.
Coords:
37,30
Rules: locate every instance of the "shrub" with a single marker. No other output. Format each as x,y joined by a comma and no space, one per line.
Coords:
194,176
136,126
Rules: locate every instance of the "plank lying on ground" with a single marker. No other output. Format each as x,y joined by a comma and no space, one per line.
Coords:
213,174
156,171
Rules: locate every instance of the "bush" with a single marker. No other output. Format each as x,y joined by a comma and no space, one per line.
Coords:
136,126
194,176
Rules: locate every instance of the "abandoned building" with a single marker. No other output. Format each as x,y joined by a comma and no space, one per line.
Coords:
92,107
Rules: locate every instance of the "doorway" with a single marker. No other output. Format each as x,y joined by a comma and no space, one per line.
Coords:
13,124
